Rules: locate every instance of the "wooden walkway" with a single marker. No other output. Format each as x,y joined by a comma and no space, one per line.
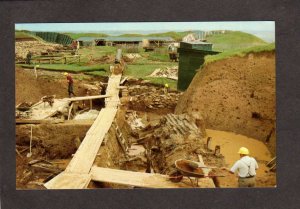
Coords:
76,175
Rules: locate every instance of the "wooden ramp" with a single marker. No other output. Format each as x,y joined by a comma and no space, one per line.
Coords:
81,163
145,180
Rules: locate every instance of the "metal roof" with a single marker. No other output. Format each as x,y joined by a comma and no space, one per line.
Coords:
87,38
126,39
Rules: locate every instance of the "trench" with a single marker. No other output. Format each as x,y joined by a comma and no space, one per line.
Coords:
57,143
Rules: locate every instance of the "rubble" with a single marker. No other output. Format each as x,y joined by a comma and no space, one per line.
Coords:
92,114
168,72
151,98
35,47
175,137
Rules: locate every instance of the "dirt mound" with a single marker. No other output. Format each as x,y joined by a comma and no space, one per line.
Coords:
237,95
31,90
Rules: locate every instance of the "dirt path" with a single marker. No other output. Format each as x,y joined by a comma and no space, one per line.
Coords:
230,144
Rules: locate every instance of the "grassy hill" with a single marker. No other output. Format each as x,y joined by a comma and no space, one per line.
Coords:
239,52
233,40
78,35
25,35
175,35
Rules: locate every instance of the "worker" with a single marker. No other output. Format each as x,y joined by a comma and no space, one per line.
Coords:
245,167
166,89
35,68
28,58
77,47
70,84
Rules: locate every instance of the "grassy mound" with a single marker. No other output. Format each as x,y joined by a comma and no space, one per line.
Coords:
25,35
239,52
234,40
78,35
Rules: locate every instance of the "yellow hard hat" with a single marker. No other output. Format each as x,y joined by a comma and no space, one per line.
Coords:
65,73
243,151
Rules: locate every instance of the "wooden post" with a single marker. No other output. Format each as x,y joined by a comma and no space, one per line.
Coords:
217,150
70,110
65,59
91,104
208,143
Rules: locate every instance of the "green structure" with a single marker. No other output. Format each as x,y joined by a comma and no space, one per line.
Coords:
54,37
191,57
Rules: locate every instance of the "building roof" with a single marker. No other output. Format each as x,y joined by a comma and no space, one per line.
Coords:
125,39
87,38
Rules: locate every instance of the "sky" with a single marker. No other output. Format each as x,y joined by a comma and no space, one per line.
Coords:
266,27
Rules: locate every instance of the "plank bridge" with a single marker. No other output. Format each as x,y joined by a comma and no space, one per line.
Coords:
77,174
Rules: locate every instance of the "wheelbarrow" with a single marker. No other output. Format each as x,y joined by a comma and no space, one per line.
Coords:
190,169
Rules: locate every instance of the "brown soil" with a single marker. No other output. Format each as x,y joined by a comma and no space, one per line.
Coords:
166,140
236,95
30,89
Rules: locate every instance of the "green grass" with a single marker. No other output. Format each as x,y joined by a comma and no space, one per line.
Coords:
96,52
239,52
175,35
78,35
74,68
144,70
162,81
140,71
22,34
234,40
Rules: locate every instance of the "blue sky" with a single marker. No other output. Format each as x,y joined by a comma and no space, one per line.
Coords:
247,26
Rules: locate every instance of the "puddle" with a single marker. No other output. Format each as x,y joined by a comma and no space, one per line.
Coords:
230,144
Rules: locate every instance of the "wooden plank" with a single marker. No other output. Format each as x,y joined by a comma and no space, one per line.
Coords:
201,163
87,151
70,110
69,181
113,90
145,180
27,121
87,98
84,157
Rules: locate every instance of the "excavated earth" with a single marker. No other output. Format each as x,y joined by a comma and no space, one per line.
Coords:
236,95
155,136
53,144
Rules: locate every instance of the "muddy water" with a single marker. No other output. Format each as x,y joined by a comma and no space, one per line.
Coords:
230,144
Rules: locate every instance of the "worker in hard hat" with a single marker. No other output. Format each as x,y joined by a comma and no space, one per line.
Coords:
246,168
166,88
70,84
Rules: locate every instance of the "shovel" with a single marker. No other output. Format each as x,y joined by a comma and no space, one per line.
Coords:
29,154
